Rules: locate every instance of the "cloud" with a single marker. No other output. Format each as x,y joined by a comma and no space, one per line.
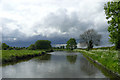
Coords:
51,18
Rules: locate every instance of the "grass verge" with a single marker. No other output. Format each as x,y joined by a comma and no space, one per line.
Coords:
108,58
13,55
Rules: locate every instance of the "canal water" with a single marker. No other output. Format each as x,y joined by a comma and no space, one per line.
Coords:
59,64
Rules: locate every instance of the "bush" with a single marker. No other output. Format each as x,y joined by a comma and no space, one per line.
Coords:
31,47
43,44
4,46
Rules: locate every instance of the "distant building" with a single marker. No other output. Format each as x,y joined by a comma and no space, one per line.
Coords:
59,45
81,45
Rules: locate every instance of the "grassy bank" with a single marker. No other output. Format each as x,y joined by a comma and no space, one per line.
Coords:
13,55
108,58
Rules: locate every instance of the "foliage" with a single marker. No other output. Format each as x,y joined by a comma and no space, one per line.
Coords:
5,46
10,48
43,44
31,47
91,38
62,47
112,11
40,44
108,58
71,44
18,48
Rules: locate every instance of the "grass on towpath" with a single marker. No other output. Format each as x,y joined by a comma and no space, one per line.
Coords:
108,58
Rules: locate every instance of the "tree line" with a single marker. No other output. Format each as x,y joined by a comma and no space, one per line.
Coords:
4,46
39,44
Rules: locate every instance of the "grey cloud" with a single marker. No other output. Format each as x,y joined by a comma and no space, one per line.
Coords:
69,23
73,23
7,33
6,20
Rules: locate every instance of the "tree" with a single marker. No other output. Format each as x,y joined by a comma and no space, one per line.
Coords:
10,48
91,38
43,44
112,11
4,46
62,47
71,44
31,47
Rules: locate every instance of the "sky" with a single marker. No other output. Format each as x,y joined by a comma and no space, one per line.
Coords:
25,21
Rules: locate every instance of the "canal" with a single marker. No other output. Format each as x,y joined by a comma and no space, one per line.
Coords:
60,64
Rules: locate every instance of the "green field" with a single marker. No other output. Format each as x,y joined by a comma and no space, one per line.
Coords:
11,55
108,58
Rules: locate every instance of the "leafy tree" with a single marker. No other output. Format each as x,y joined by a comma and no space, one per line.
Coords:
43,44
112,11
71,44
5,46
62,47
10,48
91,38
17,48
57,47
23,48
32,47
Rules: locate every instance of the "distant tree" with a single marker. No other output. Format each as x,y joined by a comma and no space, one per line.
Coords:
17,48
14,48
58,47
71,44
10,48
112,11
43,44
62,47
0,46
4,46
32,47
91,38
23,48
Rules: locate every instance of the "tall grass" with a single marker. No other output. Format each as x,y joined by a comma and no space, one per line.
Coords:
108,58
11,55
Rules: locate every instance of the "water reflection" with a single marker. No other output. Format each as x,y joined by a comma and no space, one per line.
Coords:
17,61
43,58
91,70
71,58
53,65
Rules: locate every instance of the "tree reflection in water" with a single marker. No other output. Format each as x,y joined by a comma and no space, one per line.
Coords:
45,57
71,58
